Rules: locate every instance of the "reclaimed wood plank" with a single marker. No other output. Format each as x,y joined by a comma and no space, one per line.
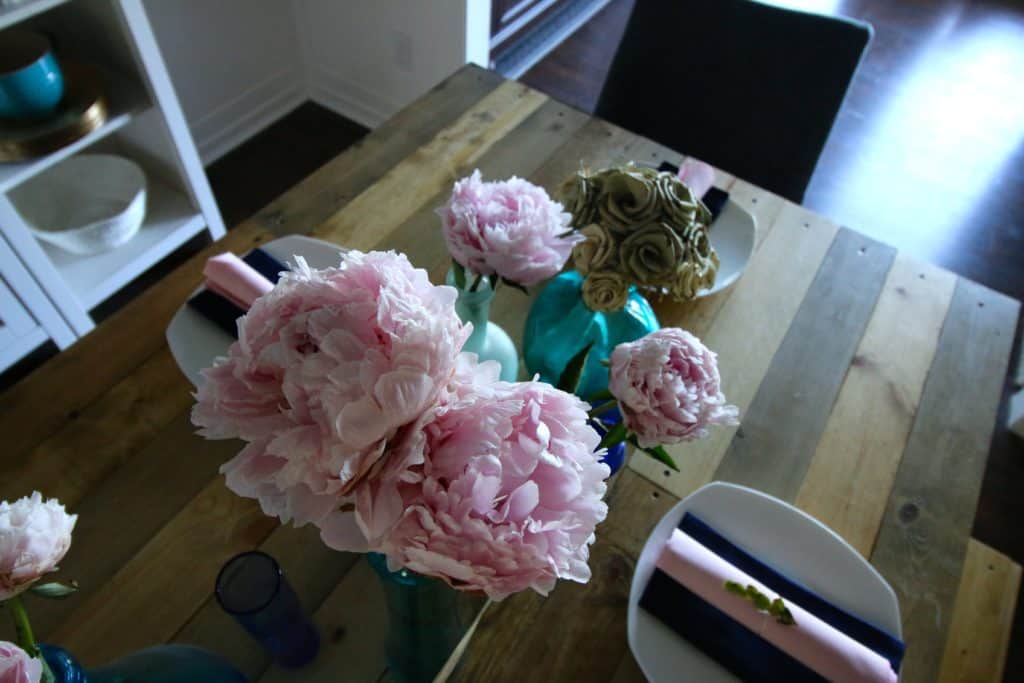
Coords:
923,539
328,189
744,359
979,632
776,441
152,595
104,435
312,569
56,394
126,510
851,475
409,184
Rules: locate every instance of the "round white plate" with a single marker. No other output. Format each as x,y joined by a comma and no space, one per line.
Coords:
732,235
792,542
195,341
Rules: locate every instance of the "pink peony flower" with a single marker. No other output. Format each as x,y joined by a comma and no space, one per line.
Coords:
328,367
668,388
16,666
510,228
504,491
34,537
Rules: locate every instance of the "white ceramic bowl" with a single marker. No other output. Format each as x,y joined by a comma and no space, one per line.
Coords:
86,204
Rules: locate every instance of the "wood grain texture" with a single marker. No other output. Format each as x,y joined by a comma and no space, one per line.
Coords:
979,633
851,475
367,219
798,239
55,395
333,185
776,440
923,538
157,591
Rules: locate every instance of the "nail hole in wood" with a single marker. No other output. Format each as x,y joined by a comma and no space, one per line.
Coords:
921,276
655,494
807,225
981,304
862,250
667,473
753,200
991,568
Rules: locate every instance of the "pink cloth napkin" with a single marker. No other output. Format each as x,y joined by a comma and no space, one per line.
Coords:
235,280
697,175
810,641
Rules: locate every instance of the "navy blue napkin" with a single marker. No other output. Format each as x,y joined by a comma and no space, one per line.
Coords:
714,198
732,645
223,313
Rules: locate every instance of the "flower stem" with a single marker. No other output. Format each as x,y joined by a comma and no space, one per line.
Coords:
603,408
22,627
476,283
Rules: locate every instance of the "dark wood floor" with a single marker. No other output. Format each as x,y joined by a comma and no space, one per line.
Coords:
927,154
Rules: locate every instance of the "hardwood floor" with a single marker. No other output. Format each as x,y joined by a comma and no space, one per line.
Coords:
927,154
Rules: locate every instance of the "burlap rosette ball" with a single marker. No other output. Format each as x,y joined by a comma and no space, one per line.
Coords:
642,227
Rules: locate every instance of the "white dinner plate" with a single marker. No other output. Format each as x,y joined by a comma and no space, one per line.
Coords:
732,235
195,341
783,537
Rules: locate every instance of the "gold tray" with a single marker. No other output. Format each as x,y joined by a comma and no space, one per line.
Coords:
83,110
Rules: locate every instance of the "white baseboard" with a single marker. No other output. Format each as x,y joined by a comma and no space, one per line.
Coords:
349,99
232,123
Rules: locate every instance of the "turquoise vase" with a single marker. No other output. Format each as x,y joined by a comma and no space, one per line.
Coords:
488,341
560,325
160,664
424,625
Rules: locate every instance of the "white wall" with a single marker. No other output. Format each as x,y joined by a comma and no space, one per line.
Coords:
235,65
367,59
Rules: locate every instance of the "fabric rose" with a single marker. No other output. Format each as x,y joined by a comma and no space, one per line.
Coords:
629,198
506,496
651,254
511,228
595,251
16,666
578,194
34,536
682,208
605,290
668,388
328,366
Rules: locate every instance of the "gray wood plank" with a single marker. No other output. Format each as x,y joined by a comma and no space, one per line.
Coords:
922,543
777,437
336,183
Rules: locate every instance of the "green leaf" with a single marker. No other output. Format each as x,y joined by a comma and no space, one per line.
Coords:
762,602
476,283
492,280
615,435
573,372
603,395
460,274
657,452
735,588
54,590
516,285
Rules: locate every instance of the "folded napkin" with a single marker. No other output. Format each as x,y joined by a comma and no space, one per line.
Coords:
699,177
224,301
688,593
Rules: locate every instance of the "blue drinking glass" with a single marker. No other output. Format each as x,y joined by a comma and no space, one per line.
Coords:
252,588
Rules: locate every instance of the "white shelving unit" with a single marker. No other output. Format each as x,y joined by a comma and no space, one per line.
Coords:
145,124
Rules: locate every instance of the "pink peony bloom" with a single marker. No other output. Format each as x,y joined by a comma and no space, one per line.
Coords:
668,388
34,537
510,228
16,666
506,495
328,367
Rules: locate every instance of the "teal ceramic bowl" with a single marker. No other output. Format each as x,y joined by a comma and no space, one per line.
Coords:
31,82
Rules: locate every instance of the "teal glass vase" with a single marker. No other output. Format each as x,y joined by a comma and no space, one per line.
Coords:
424,623
560,325
160,664
488,340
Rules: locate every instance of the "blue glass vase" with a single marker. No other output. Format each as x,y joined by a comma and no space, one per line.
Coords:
424,623
160,664
488,340
560,325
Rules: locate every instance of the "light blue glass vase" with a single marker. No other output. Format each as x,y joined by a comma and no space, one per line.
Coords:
488,341
424,623
560,325
160,664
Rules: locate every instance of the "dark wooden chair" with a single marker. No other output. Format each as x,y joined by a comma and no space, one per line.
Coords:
748,87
